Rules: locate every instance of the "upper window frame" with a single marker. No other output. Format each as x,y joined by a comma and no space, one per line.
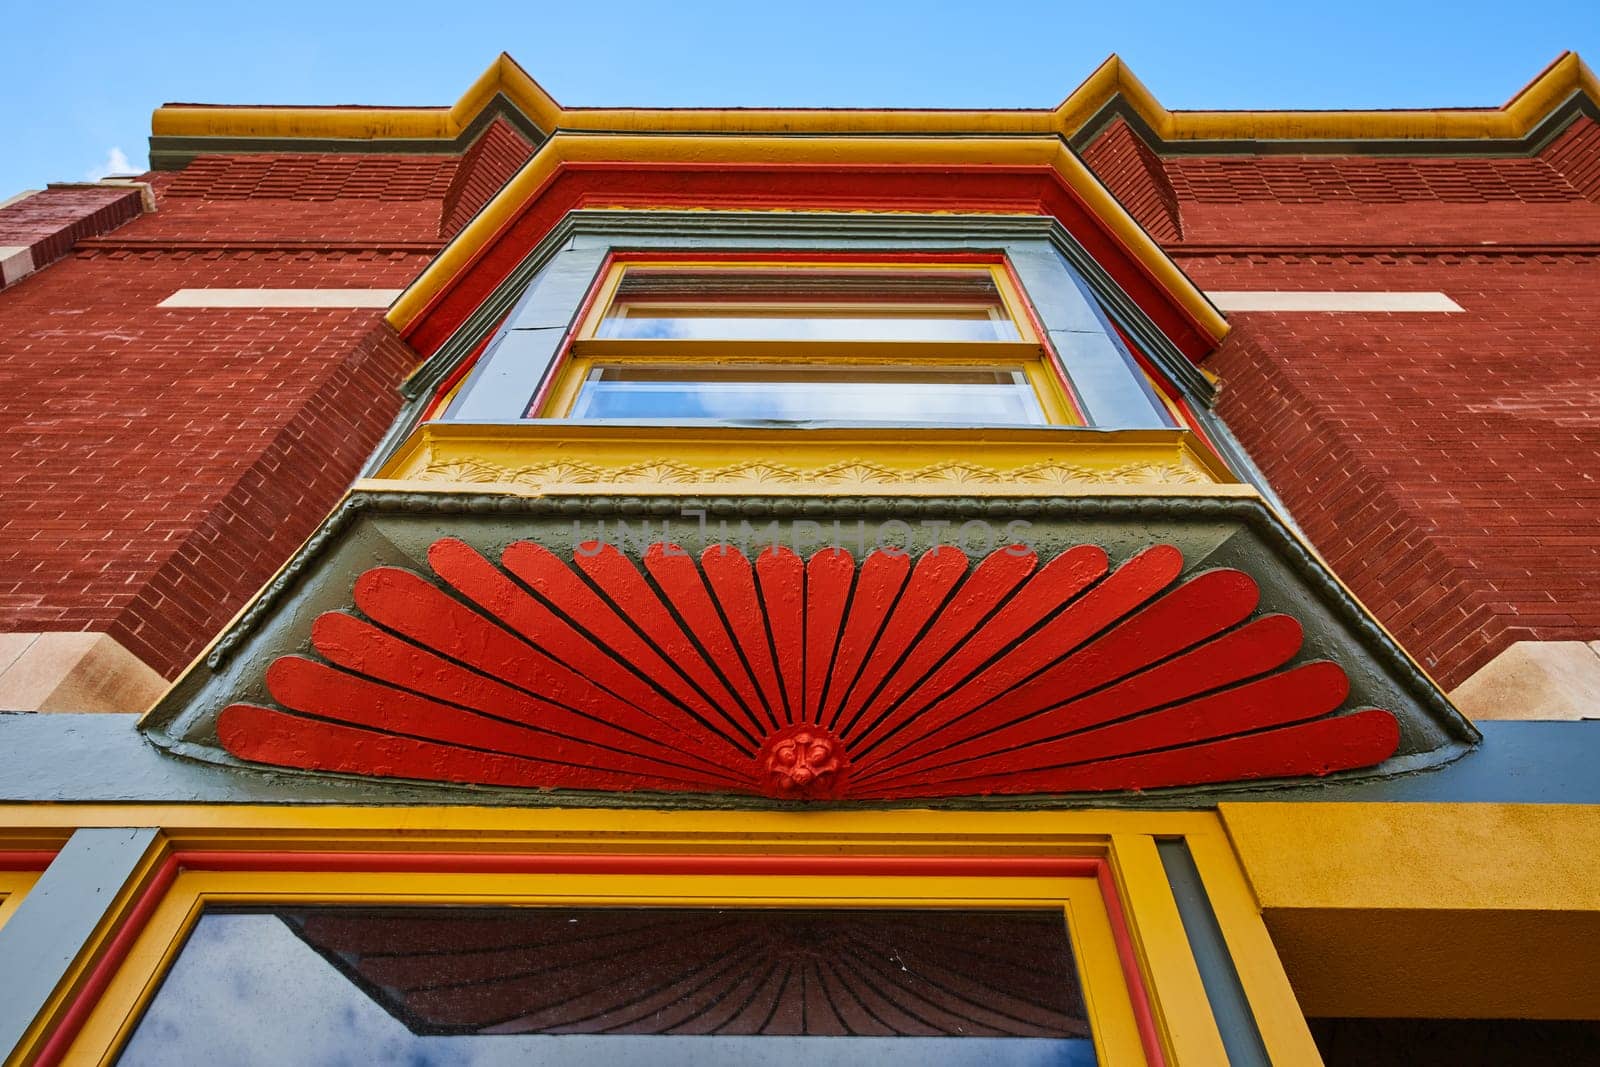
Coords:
1031,352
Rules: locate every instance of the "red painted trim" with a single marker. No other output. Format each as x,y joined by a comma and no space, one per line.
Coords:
882,187
651,863
26,859
804,256
1143,1016
99,977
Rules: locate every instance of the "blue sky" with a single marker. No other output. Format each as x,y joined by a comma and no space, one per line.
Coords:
84,76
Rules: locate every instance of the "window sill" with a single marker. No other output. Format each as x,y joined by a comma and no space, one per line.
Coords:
547,457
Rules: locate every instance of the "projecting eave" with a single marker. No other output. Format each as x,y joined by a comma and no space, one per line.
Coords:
181,131
1010,176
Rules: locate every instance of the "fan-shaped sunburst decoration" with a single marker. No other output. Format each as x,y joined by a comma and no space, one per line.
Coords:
808,679
846,972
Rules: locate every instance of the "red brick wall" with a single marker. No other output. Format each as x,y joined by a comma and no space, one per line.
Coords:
158,465
1447,465
1137,177
51,221
1576,156
497,154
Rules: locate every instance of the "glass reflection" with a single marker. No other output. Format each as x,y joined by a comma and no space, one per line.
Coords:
917,395
654,987
807,304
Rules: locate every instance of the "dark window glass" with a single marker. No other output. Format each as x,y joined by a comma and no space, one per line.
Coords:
655,986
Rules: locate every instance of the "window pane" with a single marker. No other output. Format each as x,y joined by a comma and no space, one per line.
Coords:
863,304
657,987
922,395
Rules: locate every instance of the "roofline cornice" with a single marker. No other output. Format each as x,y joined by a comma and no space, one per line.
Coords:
184,130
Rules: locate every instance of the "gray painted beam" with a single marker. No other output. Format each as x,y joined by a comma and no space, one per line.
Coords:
53,924
101,758
504,381
1241,1038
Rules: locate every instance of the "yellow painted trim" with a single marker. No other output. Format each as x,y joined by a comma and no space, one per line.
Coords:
455,828
1124,838
1177,994
545,457
116,912
1010,298
565,148
14,885
1515,119
1116,835
1036,361
116,1014
1278,1017
1398,906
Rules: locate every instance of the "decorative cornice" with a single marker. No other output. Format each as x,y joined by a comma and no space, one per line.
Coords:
845,475
1112,89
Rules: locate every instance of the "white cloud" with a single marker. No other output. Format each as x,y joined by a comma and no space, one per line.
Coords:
115,163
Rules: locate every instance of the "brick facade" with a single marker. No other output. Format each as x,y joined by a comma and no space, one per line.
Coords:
1445,464
160,464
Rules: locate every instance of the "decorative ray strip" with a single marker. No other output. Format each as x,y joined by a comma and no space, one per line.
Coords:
808,679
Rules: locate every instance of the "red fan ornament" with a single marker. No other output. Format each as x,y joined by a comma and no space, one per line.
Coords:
808,679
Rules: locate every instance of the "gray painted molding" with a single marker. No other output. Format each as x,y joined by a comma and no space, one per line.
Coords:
54,922
101,758
1241,1038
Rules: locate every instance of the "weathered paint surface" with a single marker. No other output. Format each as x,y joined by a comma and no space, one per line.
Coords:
819,680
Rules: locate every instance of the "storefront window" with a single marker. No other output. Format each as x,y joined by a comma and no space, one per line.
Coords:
656,986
